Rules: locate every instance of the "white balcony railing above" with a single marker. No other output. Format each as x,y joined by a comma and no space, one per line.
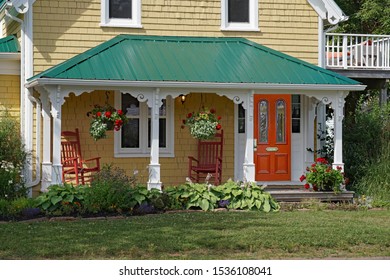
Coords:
354,51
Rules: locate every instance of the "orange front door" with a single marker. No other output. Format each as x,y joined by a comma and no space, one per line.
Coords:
272,133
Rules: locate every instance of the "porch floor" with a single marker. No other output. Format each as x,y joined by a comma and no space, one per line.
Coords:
297,193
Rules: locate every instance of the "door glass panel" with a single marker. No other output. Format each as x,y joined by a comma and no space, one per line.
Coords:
280,121
263,121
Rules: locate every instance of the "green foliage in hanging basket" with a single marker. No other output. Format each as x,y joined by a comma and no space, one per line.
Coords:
203,124
105,118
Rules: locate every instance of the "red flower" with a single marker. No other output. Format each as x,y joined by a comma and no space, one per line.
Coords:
107,114
313,165
307,186
303,177
212,111
189,115
219,117
118,122
315,188
98,114
182,126
120,112
339,168
322,160
218,127
184,121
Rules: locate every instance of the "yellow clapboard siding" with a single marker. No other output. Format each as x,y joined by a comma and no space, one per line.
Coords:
10,94
74,26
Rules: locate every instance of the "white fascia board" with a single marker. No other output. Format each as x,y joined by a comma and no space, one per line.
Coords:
329,10
104,84
9,56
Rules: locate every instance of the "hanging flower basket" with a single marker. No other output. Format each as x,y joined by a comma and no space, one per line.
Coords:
203,124
105,118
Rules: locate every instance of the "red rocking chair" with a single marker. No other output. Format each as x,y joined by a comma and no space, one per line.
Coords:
74,168
209,160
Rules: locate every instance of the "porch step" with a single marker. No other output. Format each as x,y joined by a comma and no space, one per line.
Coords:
300,194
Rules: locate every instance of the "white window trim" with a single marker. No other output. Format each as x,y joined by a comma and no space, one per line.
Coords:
143,150
253,24
106,21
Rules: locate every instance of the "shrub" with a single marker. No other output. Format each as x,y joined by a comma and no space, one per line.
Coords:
18,208
365,133
231,195
376,181
12,158
193,196
113,175
245,196
62,200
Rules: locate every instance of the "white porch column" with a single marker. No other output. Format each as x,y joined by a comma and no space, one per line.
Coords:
338,106
57,99
46,159
249,165
154,167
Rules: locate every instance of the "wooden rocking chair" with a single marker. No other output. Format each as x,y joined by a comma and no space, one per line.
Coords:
73,165
209,160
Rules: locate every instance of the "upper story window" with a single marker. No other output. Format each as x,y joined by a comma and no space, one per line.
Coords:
239,15
121,13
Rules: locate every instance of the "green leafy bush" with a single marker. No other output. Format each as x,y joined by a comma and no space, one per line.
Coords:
376,181
12,158
62,200
18,208
246,196
232,195
193,196
366,132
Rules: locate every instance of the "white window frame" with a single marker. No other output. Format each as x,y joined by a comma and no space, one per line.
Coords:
253,24
144,150
106,21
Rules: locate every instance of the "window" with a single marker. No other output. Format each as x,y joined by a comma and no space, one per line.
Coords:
135,136
241,119
239,15
296,113
121,13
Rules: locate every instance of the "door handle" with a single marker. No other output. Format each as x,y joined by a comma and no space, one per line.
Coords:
255,144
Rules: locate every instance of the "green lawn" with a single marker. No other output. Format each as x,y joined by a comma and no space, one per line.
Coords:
199,235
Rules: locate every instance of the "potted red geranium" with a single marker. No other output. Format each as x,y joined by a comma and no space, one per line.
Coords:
320,176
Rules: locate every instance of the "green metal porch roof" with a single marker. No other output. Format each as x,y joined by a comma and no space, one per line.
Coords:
9,44
190,59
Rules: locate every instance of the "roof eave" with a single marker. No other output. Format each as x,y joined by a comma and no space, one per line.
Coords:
9,56
192,85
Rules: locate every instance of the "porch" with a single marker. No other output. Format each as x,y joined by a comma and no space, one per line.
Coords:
158,68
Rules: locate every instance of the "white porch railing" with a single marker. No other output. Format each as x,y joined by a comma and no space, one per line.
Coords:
357,51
